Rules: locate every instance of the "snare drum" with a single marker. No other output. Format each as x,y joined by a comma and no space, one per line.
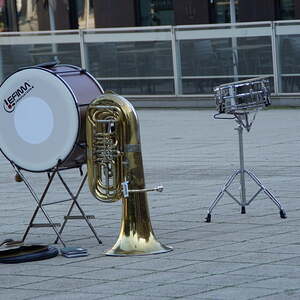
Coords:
42,116
242,96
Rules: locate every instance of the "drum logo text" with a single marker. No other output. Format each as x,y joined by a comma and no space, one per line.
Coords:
11,101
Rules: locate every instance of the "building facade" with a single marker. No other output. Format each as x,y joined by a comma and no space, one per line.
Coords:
133,53
35,15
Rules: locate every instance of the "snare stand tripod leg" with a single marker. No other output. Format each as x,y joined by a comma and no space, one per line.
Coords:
220,195
282,212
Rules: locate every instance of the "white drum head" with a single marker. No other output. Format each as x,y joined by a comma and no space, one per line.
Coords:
39,119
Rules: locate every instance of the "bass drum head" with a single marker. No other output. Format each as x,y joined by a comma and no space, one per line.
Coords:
39,119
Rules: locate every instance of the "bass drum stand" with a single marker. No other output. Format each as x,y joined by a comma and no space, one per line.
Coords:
40,204
243,122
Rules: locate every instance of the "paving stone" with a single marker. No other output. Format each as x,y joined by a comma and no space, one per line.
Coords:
21,294
71,296
258,257
225,280
174,290
117,288
279,283
132,297
230,293
288,295
267,269
61,285
12,281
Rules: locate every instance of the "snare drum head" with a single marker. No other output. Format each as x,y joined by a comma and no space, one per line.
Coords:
39,119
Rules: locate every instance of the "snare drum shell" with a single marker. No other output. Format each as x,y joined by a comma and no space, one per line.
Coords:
42,116
242,96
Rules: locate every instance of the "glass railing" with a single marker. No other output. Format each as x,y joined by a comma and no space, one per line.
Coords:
167,60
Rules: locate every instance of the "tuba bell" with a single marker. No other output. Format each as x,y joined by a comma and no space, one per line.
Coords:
115,172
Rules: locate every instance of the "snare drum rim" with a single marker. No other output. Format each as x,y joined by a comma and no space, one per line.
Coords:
49,70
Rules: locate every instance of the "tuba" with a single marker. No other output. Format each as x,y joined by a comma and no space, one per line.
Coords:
115,172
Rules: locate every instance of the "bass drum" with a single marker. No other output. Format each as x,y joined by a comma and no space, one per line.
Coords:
42,116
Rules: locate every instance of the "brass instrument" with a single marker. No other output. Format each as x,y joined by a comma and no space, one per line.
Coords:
115,172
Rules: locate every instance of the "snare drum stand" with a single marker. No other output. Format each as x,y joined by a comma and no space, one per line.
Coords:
243,120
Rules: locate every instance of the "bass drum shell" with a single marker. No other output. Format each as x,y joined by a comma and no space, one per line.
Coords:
42,116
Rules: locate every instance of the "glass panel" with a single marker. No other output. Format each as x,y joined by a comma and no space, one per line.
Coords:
156,12
291,84
139,87
289,56
255,56
214,57
287,9
206,57
289,51
18,56
202,86
130,59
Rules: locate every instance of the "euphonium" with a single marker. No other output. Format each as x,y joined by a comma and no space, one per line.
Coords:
115,172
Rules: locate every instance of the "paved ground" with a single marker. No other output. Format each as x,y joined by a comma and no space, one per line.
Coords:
252,256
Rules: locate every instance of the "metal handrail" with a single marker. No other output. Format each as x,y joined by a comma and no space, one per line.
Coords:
172,34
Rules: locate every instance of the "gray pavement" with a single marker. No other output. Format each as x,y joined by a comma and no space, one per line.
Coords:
251,256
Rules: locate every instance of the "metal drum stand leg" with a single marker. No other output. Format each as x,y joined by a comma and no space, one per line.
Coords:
75,203
41,204
242,172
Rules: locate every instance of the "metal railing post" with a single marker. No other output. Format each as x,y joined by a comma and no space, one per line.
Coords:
176,57
235,54
84,62
275,59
